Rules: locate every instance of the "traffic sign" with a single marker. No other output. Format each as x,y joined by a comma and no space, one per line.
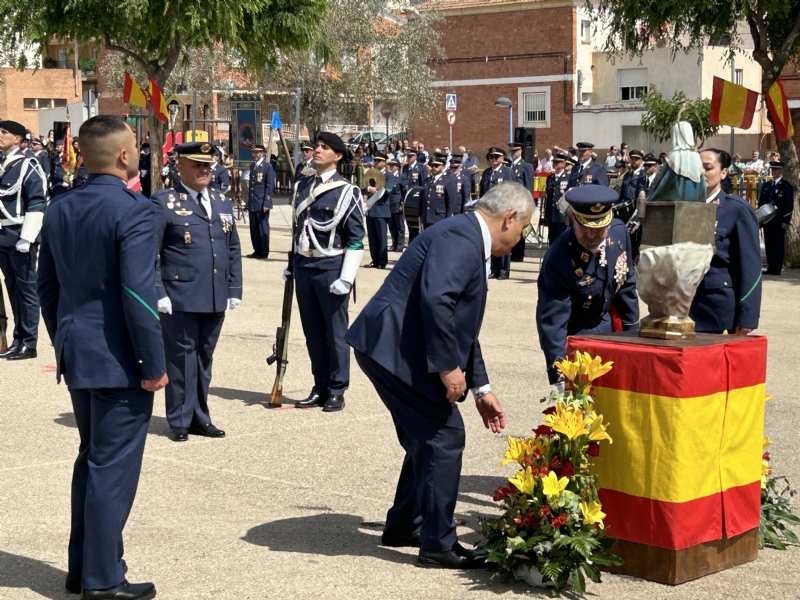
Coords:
450,102
451,117
276,121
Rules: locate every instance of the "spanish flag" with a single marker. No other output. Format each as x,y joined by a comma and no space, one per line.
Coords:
157,100
779,109
132,93
688,429
732,104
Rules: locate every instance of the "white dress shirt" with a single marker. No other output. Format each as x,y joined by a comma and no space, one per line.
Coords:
487,255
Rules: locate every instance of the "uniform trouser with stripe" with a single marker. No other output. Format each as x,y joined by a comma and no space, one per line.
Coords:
378,245
19,271
325,320
397,227
112,424
259,232
189,342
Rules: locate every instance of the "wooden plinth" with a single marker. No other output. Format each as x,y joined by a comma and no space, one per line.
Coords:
674,567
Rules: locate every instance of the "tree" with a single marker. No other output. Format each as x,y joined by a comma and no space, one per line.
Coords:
375,60
155,34
633,26
661,114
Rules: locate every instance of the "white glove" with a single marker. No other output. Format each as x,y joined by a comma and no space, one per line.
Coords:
559,387
165,171
165,305
340,287
23,246
233,303
286,274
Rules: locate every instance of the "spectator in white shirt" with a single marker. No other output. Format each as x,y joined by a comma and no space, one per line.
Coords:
611,158
546,162
755,166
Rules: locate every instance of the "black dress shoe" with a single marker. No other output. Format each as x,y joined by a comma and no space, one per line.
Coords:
390,249
400,541
502,277
12,349
334,403
492,276
457,558
73,582
209,430
124,591
313,401
517,260
22,353
179,434
370,266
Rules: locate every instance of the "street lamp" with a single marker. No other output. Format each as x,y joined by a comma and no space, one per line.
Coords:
386,115
506,103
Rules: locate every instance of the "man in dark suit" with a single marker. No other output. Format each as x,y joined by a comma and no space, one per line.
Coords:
399,185
780,192
199,278
419,348
259,202
585,273
440,199
378,216
587,171
101,316
729,297
494,175
523,171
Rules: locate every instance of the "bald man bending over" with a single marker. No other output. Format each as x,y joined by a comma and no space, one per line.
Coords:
97,286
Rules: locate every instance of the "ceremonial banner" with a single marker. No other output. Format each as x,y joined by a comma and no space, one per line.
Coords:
245,129
132,93
778,107
687,420
732,104
157,100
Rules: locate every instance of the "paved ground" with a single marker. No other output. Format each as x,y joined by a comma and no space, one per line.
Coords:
278,508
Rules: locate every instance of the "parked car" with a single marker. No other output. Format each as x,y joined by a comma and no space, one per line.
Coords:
365,137
396,137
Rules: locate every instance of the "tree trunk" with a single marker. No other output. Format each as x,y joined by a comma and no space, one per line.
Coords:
788,154
156,128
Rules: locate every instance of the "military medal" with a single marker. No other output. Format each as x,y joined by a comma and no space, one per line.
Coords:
183,196
621,269
603,261
585,256
260,177
183,212
187,238
170,205
579,272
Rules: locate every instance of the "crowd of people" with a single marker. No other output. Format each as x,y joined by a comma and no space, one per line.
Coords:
146,312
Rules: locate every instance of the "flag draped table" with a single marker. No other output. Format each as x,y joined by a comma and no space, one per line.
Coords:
683,476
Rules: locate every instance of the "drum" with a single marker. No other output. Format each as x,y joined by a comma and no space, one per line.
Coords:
411,205
624,210
766,213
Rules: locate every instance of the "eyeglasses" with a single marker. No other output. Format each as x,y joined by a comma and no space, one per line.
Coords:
526,231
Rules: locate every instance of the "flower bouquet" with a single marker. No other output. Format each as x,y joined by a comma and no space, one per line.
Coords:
551,532
776,507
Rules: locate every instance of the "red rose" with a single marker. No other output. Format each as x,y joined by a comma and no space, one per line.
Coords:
550,410
499,494
594,449
545,510
566,470
543,430
544,471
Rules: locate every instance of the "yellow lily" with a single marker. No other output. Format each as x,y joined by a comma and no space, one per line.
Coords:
552,485
568,420
524,481
517,449
592,513
568,368
598,431
765,443
595,367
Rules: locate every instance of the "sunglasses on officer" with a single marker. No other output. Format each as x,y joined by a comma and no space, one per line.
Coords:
526,231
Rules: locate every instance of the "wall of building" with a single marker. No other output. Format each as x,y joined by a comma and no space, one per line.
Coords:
58,84
494,54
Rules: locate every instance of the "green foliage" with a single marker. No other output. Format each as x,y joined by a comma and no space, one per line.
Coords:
661,114
776,514
87,64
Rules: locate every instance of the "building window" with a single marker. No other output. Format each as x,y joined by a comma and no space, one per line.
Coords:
37,103
586,32
632,84
44,103
533,106
29,103
738,76
59,103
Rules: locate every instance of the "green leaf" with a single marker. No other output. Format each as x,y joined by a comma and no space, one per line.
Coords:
592,572
607,558
578,581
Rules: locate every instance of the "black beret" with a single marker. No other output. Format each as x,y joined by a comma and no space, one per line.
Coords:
333,141
14,128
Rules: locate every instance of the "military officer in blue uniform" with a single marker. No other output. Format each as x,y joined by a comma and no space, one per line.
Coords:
397,223
328,247
80,174
729,297
415,172
40,152
463,182
420,349
259,202
305,168
170,170
220,177
555,186
97,276
495,174
629,179
145,171
59,179
587,171
200,277
781,193
586,272
378,216
523,171
22,202
440,199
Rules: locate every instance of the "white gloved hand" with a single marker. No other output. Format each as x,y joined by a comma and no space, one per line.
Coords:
233,303
165,305
23,246
286,274
165,171
340,287
559,387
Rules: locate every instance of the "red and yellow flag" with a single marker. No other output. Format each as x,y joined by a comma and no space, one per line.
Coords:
157,100
132,93
732,104
778,107
68,159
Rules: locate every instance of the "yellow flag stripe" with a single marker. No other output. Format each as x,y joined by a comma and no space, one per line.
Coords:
680,449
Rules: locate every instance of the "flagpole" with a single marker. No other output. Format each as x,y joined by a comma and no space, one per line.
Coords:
733,80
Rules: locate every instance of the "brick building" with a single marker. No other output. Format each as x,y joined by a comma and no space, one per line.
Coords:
523,50
23,93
